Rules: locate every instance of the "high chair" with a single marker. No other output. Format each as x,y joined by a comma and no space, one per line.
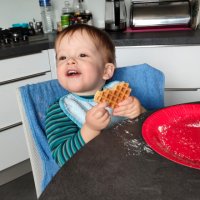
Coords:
147,85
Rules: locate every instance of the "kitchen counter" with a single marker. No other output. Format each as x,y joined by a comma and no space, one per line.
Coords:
42,42
156,38
35,45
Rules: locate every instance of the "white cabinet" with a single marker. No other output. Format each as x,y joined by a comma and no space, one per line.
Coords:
52,61
10,114
186,95
180,64
14,73
12,147
24,66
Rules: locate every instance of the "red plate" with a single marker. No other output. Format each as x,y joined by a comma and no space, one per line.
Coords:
174,132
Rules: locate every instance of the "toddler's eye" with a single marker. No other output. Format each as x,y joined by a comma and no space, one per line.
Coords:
82,55
62,58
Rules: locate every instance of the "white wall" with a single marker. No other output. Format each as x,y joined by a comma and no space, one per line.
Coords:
98,11
20,11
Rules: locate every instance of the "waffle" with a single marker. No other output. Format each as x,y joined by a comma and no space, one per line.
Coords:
114,95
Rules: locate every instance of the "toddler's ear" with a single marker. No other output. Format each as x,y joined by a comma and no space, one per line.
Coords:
108,71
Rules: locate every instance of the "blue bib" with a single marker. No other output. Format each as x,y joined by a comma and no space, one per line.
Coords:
76,107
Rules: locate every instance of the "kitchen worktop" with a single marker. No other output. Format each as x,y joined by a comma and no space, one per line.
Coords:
165,38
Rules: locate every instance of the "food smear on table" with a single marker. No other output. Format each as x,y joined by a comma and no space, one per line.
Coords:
133,146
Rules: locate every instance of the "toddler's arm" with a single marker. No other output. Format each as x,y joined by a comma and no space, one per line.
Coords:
63,135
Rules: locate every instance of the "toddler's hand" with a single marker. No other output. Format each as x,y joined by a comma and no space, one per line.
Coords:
130,108
98,117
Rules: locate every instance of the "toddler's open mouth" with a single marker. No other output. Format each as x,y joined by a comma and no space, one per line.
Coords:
73,73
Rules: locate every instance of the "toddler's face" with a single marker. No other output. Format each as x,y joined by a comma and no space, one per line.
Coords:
80,66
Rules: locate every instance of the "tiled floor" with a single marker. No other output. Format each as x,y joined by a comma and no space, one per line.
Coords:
22,188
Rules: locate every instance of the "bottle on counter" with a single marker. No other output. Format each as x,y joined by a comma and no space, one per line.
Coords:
46,15
74,14
67,15
82,15
78,6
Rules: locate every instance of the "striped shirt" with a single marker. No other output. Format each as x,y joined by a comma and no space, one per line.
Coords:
63,135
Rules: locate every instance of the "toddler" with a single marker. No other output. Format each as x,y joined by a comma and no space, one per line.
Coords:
85,58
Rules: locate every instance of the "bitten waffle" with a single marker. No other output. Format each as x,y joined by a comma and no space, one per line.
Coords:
113,95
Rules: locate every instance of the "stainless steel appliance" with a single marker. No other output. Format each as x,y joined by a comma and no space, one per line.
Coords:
115,15
163,13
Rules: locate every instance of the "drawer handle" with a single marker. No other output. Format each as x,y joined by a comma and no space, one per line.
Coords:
23,78
10,126
181,89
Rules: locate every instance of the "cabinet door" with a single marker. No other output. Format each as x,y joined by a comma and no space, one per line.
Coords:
10,115
13,147
24,66
180,64
12,141
177,97
52,61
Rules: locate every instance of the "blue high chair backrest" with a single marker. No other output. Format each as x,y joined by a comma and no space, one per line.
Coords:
147,85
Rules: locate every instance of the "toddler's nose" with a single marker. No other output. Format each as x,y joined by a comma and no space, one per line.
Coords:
71,61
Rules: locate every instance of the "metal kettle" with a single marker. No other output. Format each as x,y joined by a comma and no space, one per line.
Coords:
115,15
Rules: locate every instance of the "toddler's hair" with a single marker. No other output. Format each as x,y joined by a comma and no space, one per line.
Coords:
100,38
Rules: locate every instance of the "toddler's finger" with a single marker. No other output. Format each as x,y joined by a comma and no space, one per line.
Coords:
100,113
126,101
106,116
102,105
124,108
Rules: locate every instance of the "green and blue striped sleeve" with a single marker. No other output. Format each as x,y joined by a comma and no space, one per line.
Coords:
63,135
